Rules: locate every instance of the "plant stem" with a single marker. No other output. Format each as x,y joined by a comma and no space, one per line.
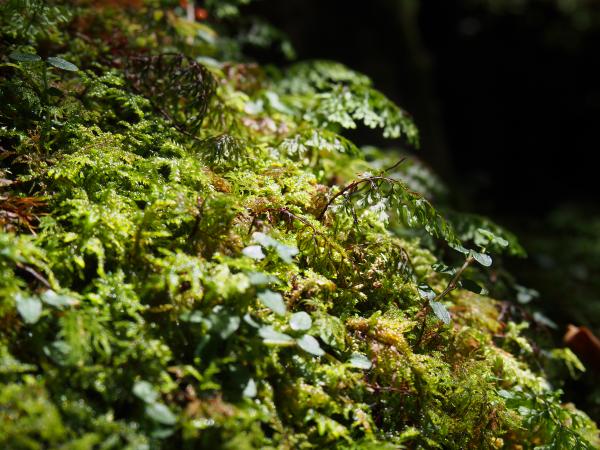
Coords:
450,287
350,187
46,107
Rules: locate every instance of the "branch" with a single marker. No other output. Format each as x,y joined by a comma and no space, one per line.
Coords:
454,281
449,288
34,274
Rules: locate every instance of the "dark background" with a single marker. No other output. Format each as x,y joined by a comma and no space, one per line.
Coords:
507,99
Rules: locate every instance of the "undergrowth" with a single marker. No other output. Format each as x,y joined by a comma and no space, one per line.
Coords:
194,256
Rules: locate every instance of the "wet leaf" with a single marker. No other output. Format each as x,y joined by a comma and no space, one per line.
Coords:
360,361
250,389
273,301
30,308
254,252
300,321
273,337
440,311
160,413
63,64
482,258
310,344
145,391
24,57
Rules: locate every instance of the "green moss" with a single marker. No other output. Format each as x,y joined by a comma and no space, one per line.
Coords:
147,296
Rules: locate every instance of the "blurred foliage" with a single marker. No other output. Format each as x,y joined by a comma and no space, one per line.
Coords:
564,248
584,14
564,23
567,251
196,263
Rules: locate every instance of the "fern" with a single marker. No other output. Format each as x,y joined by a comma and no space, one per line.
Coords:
331,94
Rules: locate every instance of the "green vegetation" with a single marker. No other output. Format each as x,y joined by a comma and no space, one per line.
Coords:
193,256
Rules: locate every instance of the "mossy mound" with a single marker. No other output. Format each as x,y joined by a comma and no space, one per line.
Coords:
193,256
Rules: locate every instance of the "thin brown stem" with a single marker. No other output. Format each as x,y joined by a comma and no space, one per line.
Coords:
375,182
351,187
449,288
454,281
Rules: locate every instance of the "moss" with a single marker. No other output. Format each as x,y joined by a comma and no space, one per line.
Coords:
149,295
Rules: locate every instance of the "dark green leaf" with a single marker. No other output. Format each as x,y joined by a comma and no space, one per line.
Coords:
443,268
525,295
426,292
54,92
162,433
227,325
60,63
250,321
440,311
485,237
24,57
470,285
264,239
543,320
459,248
286,253
331,331
193,317
60,352
261,279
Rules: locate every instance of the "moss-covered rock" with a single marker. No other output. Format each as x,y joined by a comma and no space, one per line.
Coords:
192,255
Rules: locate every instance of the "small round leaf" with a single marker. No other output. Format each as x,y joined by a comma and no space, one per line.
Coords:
254,252
228,325
273,300
272,337
300,321
286,253
145,391
482,258
310,345
160,413
57,300
440,311
472,286
360,361
30,308
250,389
261,279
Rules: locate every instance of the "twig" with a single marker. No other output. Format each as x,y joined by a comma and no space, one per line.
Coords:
35,275
453,284
351,187
395,165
